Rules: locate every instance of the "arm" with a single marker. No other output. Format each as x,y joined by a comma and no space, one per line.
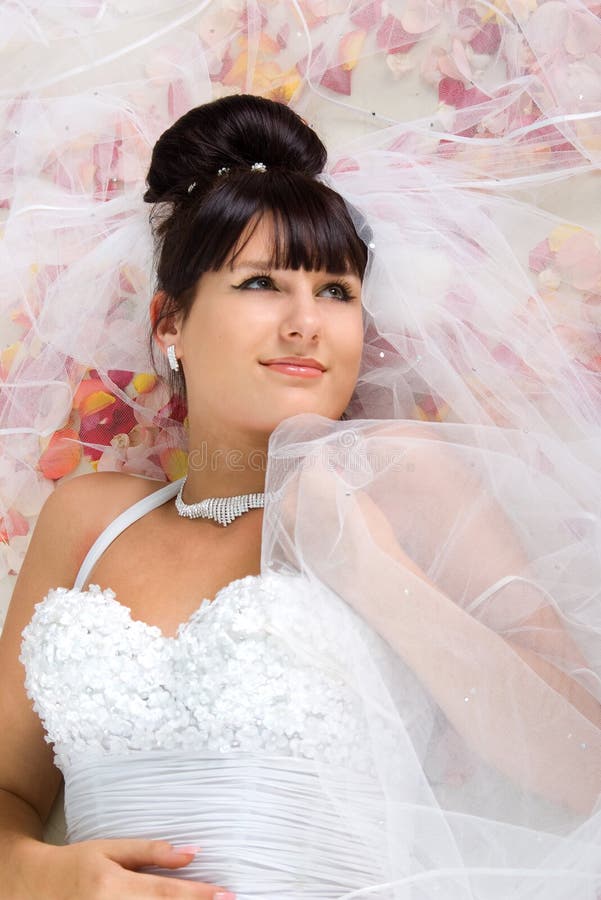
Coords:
510,662
29,781
514,698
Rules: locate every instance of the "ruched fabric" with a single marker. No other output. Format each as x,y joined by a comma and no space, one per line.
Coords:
264,824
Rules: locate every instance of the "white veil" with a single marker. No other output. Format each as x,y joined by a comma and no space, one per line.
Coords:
456,511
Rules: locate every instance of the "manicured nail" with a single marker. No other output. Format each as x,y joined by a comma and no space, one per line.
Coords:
189,848
224,895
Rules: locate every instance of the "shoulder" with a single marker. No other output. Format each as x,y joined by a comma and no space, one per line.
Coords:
101,493
80,508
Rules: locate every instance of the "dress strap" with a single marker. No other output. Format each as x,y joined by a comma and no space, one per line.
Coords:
123,520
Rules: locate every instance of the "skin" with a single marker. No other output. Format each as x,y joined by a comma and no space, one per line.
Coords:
235,402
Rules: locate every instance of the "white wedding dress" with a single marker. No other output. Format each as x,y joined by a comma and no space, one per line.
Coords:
210,737
285,737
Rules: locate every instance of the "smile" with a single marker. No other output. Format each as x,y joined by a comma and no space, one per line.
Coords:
297,371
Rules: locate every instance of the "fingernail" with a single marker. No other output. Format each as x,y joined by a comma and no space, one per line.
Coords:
189,848
224,895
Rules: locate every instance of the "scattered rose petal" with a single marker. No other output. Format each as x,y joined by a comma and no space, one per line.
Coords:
461,61
7,358
85,388
418,16
367,16
350,48
541,256
120,377
579,260
62,454
562,233
95,402
144,382
399,64
549,279
337,79
487,39
174,463
13,524
392,37
178,100
451,92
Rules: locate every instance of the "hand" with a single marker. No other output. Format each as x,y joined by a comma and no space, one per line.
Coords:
105,870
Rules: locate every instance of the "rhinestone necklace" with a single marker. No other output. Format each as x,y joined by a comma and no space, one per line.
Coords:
222,510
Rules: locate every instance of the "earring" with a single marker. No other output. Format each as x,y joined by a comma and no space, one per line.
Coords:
172,358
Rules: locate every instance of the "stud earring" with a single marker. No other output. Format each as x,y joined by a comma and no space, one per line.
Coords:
172,358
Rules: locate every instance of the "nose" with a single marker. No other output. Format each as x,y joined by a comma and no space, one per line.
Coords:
302,316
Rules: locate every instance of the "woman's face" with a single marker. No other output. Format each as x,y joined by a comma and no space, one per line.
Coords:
243,317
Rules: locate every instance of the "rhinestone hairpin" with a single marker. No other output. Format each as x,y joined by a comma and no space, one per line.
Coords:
224,170
259,167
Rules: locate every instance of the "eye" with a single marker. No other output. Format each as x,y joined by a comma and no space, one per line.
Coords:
255,278
343,287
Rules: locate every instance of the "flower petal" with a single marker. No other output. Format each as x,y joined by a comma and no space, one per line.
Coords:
62,455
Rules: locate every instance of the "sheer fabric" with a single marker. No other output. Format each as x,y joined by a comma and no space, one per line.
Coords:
457,511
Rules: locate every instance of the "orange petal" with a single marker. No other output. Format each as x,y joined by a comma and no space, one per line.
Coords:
7,358
62,455
144,382
350,47
174,463
237,70
86,387
266,43
13,524
284,92
95,402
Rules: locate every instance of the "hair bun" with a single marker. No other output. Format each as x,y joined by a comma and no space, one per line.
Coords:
233,131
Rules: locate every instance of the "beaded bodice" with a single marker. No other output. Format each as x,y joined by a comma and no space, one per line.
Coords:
103,683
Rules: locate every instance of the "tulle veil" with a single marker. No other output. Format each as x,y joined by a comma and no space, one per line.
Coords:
456,509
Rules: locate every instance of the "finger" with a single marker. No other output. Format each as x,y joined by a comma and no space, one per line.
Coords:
141,886
135,853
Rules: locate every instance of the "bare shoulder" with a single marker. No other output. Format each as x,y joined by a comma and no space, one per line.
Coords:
75,514
99,497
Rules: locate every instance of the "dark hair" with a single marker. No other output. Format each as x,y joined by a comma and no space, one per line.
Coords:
200,215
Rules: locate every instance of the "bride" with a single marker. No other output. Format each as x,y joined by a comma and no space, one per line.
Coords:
371,667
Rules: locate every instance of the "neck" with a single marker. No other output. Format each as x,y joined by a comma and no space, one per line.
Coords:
224,465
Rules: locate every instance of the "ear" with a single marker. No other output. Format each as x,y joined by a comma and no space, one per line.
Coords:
168,329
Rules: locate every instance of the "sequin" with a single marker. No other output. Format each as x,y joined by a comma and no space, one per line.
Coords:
103,683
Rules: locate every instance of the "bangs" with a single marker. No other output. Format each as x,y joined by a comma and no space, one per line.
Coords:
312,227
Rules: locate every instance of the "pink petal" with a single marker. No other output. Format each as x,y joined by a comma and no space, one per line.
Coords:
337,79
419,16
392,37
451,91
120,378
540,257
468,22
461,61
487,39
178,101
368,16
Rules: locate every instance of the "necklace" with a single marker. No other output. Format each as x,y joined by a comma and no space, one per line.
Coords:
221,509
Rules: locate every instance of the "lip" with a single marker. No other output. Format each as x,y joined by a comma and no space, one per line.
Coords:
303,362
